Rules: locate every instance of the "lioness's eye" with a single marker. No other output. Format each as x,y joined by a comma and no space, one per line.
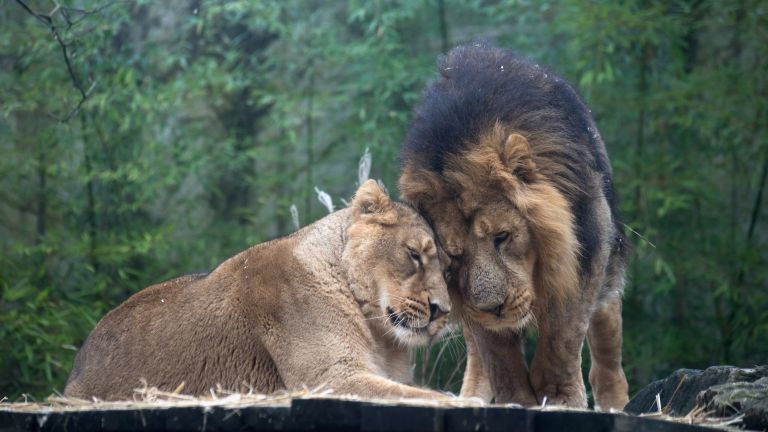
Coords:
415,256
500,238
447,275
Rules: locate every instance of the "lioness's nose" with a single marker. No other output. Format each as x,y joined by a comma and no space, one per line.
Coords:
436,311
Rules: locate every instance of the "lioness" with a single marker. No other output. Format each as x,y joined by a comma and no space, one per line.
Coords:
505,160
337,304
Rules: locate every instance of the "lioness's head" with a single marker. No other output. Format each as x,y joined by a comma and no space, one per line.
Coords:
395,267
508,231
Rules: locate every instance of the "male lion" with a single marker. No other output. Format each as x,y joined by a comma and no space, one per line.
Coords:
505,161
336,303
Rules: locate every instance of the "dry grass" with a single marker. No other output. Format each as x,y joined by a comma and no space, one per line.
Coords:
152,398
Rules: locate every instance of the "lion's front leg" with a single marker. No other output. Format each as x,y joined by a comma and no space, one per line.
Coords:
475,382
556,366
504,363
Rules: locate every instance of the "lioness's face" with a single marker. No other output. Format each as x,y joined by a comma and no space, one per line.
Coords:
492,260
412,291
404,268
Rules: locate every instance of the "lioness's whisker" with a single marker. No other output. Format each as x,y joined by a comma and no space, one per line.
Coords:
397,297
391,330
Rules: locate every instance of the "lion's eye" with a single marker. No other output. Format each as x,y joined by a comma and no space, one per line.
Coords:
447,275
500,238
415,256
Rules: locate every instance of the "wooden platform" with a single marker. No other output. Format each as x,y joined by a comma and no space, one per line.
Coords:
319,414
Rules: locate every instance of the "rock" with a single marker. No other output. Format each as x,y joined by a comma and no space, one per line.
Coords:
722,391
678,391
747,398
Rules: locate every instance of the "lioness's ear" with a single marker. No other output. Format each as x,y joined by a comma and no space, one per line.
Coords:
372,202
517,157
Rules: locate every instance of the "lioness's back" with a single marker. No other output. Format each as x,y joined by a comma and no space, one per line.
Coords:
180,321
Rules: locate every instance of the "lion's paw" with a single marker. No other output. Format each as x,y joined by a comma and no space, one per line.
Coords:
568,392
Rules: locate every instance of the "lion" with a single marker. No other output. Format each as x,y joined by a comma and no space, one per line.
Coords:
336,304
505,161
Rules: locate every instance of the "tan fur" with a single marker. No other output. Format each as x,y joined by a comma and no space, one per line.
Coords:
337,303
500,185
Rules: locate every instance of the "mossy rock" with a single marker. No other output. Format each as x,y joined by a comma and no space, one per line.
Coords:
749,399
720,391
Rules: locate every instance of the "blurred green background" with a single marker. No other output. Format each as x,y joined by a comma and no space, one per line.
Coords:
144,140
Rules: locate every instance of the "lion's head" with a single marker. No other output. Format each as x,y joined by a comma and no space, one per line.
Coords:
508,230
396,267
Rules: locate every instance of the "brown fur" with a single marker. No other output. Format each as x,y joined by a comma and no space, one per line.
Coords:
499,190
497,186
501,164
475,382
338,303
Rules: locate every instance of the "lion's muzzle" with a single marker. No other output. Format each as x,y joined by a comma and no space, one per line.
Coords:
487,292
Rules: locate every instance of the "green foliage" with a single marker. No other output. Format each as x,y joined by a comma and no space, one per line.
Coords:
205,121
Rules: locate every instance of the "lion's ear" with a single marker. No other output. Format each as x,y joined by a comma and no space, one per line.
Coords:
372,202
420,187
517,157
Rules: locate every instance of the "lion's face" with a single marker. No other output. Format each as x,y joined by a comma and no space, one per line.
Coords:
492,260
399,267
498,260
507,230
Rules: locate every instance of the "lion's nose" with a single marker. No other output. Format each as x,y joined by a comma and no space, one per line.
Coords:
494,309
436,311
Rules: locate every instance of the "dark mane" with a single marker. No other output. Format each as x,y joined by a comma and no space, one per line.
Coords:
480,86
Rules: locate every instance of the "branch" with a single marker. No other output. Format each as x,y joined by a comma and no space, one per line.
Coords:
753,219
47,19
67,11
